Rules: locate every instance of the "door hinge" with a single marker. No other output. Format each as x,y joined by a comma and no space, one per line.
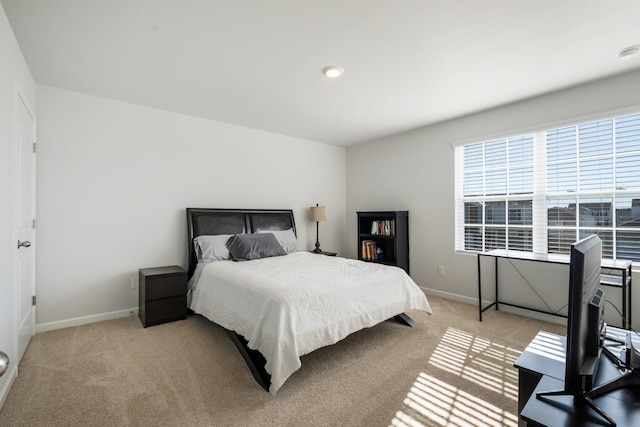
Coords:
33,300
34,147
33,223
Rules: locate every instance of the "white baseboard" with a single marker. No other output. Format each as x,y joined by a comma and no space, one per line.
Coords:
67,323
508,309
9,376
449,295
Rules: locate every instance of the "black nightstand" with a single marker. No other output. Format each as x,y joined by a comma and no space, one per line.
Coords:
325,253
162,294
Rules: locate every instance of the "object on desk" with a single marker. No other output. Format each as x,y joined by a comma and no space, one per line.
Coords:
565,412
585,328
541,367
631,365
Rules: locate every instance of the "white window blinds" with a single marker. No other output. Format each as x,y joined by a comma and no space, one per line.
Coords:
541,192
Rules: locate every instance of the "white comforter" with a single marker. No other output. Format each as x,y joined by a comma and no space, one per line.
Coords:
290,305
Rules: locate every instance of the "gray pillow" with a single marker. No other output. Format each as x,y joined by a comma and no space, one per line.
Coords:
286,238
244,247
211,248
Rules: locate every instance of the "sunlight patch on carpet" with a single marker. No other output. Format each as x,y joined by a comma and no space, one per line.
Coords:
478,360
482,363
434,402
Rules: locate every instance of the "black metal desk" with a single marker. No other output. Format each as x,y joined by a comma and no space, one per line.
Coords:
616,273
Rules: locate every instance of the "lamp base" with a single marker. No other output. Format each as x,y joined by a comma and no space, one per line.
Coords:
317,249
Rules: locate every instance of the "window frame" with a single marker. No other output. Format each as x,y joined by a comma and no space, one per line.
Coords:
541,197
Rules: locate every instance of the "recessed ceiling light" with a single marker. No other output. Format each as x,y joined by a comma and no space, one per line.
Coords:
333,71
629,52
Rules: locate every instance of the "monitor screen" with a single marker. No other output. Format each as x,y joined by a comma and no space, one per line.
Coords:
584,323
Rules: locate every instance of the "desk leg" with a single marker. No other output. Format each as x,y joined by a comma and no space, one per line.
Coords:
625,319
527,383
479,290
629,299
496,281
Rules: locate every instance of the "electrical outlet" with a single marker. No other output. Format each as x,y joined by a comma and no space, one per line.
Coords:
441,270
134,282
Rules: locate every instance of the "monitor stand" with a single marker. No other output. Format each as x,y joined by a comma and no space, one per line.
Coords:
631,365
582,397
579,396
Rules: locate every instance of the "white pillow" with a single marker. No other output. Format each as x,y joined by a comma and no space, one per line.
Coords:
286,238
211,247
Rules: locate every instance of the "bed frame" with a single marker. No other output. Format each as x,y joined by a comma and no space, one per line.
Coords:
237,221
202,221
233,221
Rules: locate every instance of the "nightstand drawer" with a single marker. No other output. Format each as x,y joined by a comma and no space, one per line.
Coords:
162,282
162,295
164,310
161,287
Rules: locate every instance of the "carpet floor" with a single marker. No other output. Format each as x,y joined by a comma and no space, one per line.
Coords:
451,370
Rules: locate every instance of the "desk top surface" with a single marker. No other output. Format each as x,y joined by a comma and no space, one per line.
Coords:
622,405
555,258
546,355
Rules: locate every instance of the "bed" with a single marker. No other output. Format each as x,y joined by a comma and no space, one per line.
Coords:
280,302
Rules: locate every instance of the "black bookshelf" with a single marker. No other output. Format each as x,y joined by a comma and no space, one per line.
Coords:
383,237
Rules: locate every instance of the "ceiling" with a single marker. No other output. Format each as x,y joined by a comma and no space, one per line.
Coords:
257,63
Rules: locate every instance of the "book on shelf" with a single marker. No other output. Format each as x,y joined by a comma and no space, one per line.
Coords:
370,251
384,227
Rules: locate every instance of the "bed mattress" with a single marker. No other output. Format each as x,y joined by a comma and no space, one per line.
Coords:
288,306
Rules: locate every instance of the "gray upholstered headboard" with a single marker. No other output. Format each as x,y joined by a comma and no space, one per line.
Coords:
202,221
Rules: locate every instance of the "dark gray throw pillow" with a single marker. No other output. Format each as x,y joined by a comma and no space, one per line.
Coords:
245,247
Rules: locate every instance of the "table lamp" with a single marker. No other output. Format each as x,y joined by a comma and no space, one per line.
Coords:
317,215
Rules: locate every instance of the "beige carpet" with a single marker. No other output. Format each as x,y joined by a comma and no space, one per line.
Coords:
452,370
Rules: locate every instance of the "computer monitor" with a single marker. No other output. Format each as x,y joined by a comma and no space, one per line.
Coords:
585,323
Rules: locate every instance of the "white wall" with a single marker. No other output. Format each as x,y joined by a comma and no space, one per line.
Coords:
414,171
114,180
13,70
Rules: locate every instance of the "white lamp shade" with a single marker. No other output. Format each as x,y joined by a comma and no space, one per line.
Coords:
318,214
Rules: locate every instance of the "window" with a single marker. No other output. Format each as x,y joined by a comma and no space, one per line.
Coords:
542,191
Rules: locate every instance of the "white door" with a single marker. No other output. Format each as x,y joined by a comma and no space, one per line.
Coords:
25,260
